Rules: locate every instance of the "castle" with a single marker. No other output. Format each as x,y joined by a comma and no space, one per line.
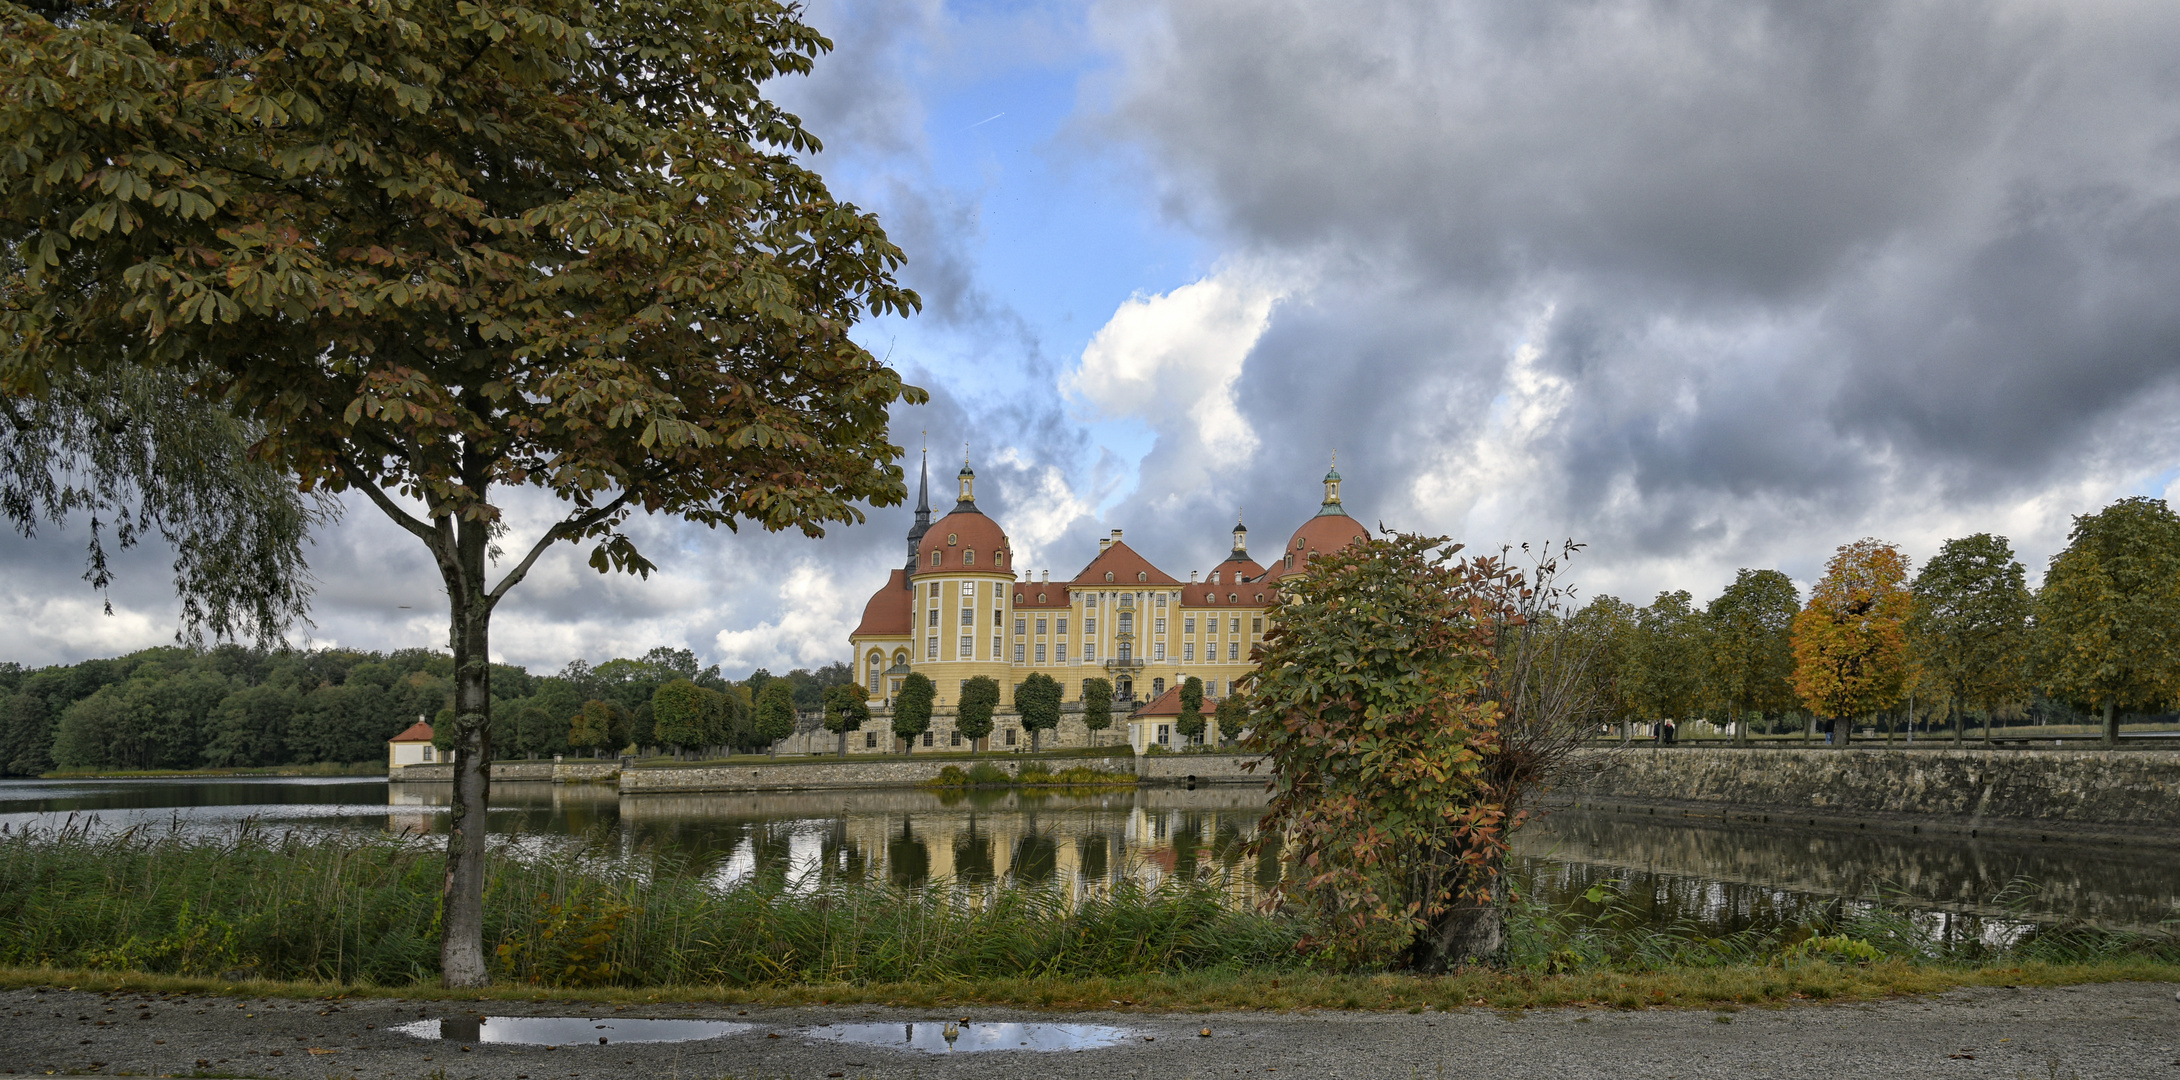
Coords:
956,610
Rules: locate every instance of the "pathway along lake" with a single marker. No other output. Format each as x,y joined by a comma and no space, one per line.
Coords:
1722,877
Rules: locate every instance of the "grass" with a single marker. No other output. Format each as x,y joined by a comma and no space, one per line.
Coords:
264,914
320,768
1230,990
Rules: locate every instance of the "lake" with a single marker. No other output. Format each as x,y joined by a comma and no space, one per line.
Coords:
1722,877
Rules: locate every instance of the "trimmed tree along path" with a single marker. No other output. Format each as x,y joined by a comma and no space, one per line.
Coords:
2107,1030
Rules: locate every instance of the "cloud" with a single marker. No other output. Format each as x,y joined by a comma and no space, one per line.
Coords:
1703,283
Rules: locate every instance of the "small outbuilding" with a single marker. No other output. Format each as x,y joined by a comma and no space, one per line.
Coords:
411,747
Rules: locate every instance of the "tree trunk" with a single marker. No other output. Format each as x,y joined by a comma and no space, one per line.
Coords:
1468,932
1960,721
843,743
2111,726
461,556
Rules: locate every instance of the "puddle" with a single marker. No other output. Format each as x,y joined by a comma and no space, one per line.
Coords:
943,1038
568,1030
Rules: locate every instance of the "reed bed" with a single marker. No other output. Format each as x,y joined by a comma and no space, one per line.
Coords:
362,910
353,908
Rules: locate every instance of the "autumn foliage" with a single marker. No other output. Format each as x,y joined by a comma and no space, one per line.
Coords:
1850,640
1400,709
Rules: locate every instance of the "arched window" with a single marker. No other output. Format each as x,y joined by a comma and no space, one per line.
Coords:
1142,575
1231,598
968,557
934,558
1040,598
1108,575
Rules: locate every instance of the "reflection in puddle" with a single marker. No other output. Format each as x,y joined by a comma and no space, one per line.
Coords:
941,1038
567,1030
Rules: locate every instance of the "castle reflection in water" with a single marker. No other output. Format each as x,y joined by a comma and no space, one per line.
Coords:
1079,838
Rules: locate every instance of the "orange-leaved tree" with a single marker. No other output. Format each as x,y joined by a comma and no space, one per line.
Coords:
1850,640
431,252
1406,707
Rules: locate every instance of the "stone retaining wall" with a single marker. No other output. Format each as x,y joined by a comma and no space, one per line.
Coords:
2093,789
1200,769
558,772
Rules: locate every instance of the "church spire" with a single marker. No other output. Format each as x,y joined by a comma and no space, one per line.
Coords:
923,514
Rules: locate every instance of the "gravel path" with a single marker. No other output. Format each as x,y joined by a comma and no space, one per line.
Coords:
2111,1030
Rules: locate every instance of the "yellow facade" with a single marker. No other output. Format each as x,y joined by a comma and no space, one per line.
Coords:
956,610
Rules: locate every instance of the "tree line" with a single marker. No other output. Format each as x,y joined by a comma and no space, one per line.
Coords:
238,707
1964,636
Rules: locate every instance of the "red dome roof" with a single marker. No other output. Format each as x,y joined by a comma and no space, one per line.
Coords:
965,540
890,612
1320,534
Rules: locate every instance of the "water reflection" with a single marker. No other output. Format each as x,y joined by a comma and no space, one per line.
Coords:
1723,877
567,1030
949,1037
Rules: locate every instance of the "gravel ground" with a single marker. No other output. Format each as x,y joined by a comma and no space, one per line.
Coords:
2111,1030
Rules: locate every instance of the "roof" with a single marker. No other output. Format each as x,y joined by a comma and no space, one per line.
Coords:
1041,594
890,612
416,732
1169,704
1320,534
963,535
1126,568
1197,594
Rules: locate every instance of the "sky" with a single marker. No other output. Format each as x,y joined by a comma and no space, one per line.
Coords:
1702,285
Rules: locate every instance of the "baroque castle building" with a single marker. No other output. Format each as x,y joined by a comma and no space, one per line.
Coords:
957,609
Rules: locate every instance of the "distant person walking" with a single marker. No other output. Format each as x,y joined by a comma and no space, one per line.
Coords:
1670,729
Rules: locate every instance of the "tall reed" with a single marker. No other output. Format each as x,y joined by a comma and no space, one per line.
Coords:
359,908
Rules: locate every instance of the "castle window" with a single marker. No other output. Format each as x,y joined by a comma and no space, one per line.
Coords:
1142,575
999,619
997,644
934,562
1232,599
1127,622
1010,736
1158,651
968,648
1233,650
1040,652
968,588
934,585
870,740
1040,598
1188,625
1108,575
1256,626
1040,626
968,617
1089,624
1234,626
1063,625
1059,653
934,616
1260,598
1188,650
1017,652
1158,626
1211,598
1021,626
931,648
1092,599
952,539
968,557
953,738
1017,598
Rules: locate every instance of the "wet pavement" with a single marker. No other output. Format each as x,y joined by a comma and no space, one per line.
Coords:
2113,1030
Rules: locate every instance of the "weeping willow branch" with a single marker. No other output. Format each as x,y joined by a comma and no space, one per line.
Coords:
140,457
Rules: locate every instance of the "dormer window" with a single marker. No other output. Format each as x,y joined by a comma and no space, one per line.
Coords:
1017,598
1040,598
1108,575
968,557
1232,599
1142,575
934,558
952,539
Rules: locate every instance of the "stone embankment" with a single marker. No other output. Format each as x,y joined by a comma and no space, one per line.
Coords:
2125,795
815,773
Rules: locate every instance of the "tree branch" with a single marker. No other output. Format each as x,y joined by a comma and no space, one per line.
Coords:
572,527
357,479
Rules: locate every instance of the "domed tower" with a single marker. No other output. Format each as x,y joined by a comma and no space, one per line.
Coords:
960,596
1238,565
1330,529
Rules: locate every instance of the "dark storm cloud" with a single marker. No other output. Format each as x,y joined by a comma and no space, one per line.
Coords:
1781,263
